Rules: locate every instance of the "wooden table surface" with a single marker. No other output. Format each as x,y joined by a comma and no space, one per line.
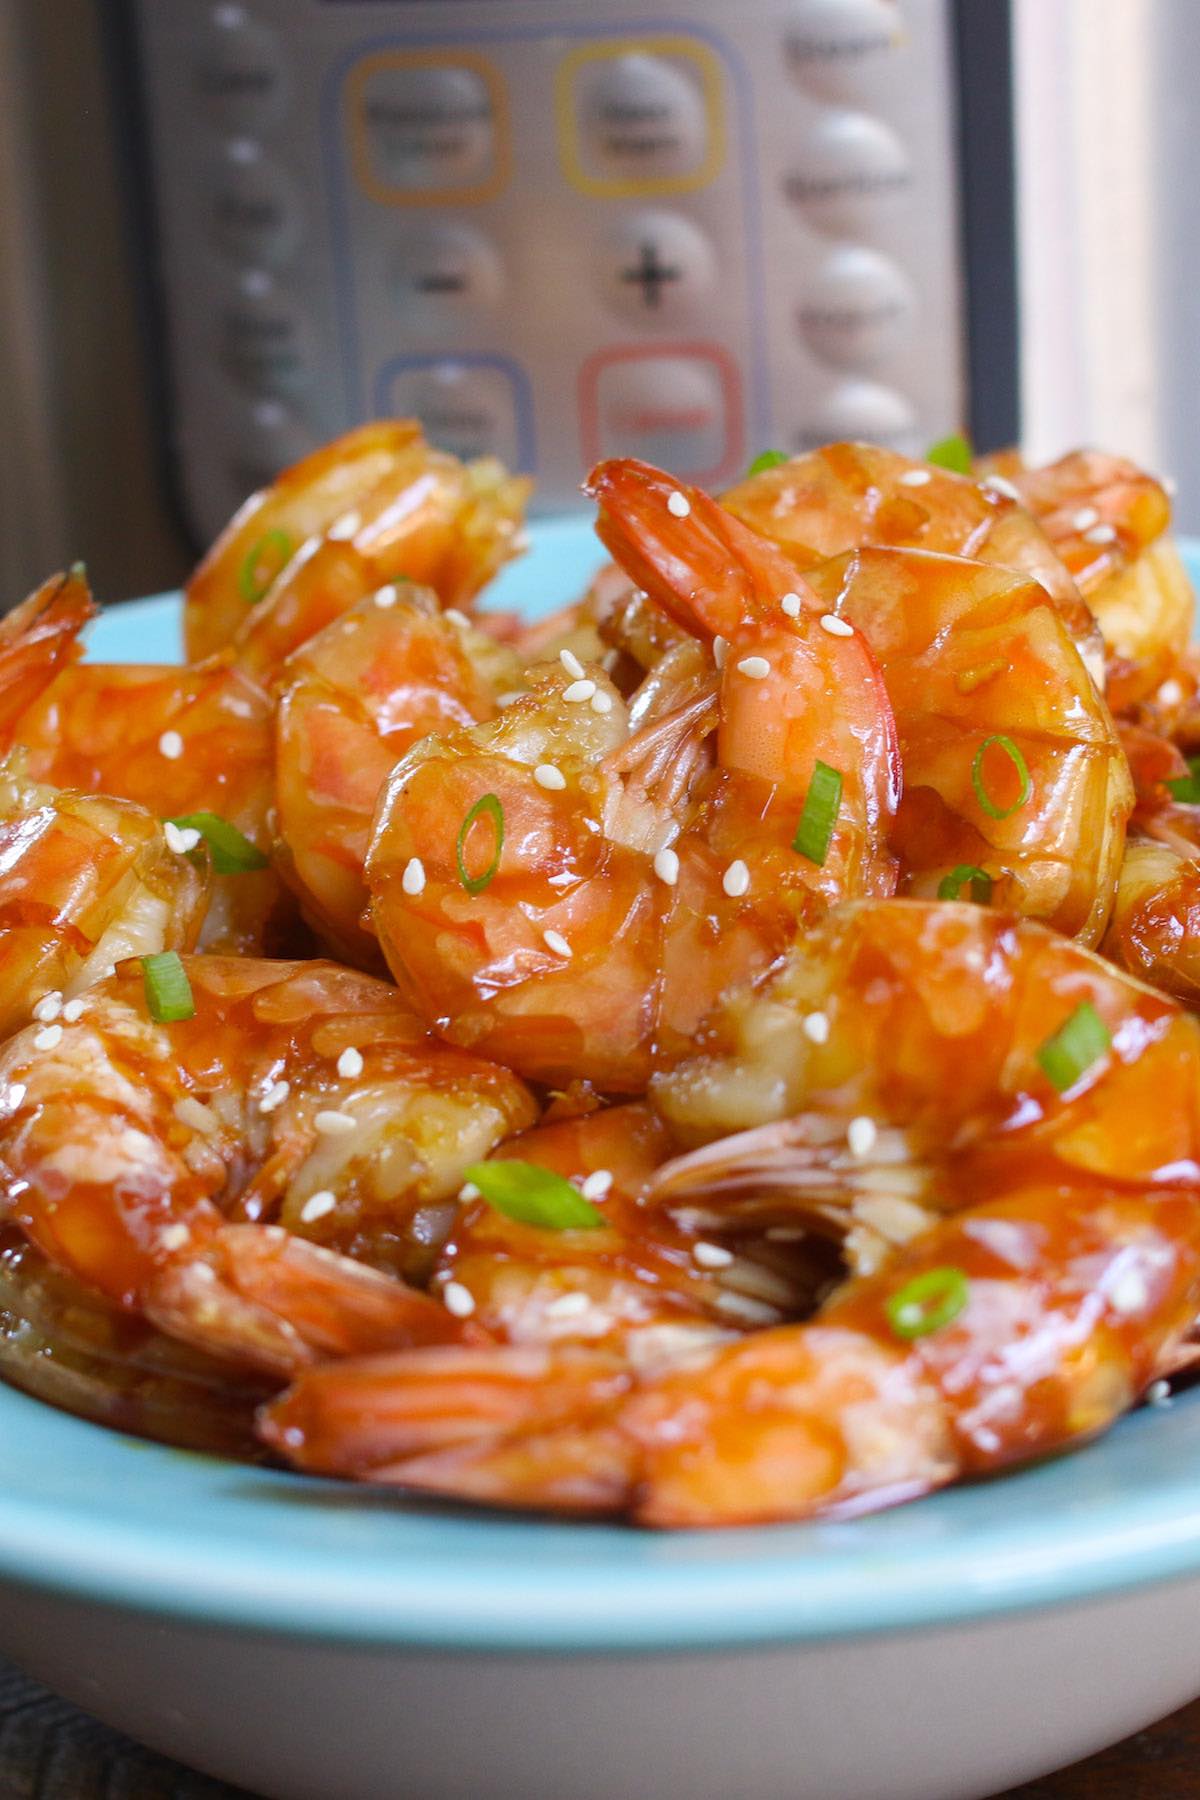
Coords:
49,1751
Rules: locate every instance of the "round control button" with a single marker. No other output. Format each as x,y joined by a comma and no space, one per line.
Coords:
254,209
670,410
240,80
656,266
444,268
467,408
427,127
858,307
266,342
848,169
640,118
839,49
862,410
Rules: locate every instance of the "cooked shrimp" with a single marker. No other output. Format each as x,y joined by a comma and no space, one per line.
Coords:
1154,931
844,496
570,887
1110,523
149,1161
1011,759
353,699
84,881
37,639
373,507
180,742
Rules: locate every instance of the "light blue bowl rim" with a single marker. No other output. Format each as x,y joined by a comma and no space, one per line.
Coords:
92,1513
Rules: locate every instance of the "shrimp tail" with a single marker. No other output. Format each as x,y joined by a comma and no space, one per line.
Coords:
37,639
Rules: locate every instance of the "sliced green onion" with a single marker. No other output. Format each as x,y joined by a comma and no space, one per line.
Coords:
1075,1047
489,804
966,874
767,459
954,453
231,850
927,1302
819,816
534,1196
168,990
1019,764
1186,787
262,563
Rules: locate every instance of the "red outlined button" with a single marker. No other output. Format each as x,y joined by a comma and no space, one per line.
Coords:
677,405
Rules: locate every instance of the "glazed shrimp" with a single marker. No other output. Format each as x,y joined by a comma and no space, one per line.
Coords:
570,887
178,742
373,507
1011,760
84,881
845,496
37,639
174,1169
353,699
1110,523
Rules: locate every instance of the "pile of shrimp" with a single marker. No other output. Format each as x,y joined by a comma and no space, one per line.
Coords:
723,1053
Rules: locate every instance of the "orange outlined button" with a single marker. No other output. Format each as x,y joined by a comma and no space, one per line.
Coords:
640,116
426,128
677,405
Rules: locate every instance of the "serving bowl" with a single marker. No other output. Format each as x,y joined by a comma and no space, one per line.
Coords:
309,1640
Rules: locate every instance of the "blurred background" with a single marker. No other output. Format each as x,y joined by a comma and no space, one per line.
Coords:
689,232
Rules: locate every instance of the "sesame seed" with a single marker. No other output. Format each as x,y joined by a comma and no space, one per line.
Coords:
720,650
1085,518
334,1124
601,702
791,605
1129,1293
1159,1393
860,1136
836,627
756,668
48,1007
455,617
171,745
180,839
916,478
999,485
567,1306
597,1184
592,825
736,879
241,709
555,941
506,700
711,1256
175,1237
1170,693
571,663
666,866
190,1111
458,1300
345,527
275,1096
48,1038
202,1272
1100,534
317,1205
678,505
387,596
468,1191
579,691
350,1063
547,776
816,1028
73,1010
413,878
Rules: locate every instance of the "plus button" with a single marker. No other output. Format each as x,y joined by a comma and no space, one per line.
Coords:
651,274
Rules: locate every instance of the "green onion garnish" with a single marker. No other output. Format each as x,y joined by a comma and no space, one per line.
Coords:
489,804
767,459
262,563
819,816
1019,764
966,875
1075,1047
232,852
927,1302
168,990
1186,787
534,1196
954,453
